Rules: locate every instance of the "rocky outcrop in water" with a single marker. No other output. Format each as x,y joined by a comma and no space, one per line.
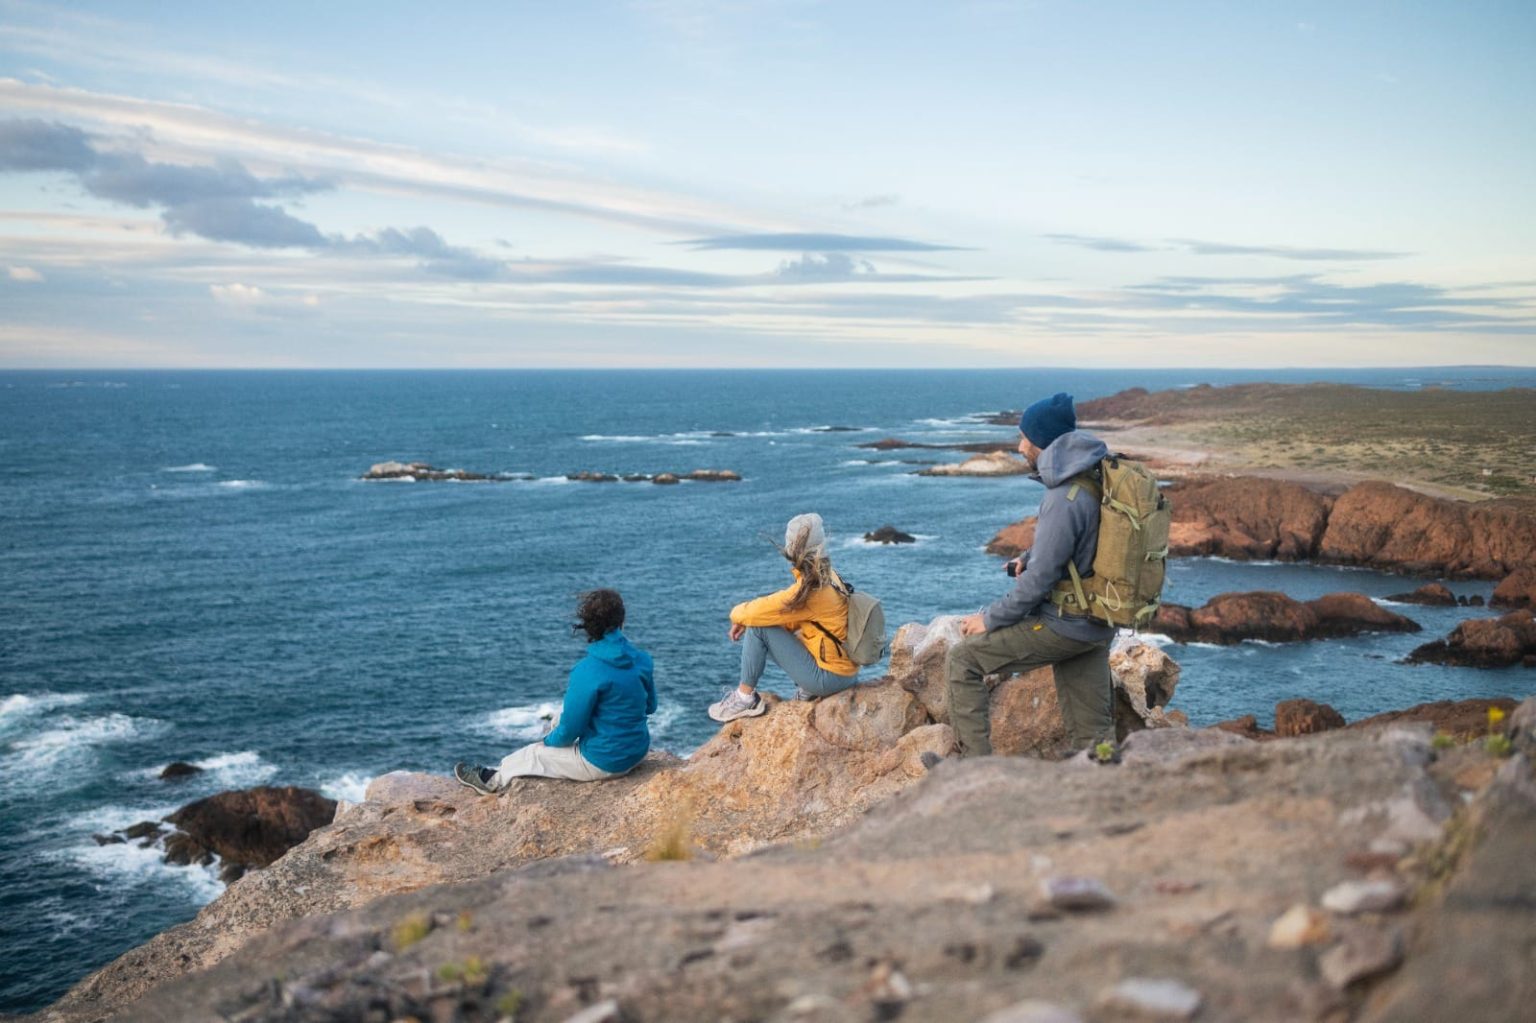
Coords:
1275,618
421,471
998,463
1429,595
1246,518
1484,643
888,534
1517,590
967,897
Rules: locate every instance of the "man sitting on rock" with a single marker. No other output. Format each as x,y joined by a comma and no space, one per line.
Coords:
1023,629
601,731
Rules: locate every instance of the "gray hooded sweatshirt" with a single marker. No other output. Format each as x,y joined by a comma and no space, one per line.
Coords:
1065,530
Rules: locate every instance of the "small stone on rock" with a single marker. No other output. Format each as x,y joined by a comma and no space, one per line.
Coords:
1364,952
1076,893
602,1012
1153,998
1034,1011
1298,926
1353,897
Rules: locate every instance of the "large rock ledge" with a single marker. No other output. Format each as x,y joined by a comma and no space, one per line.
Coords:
954,901
1275,618
796,773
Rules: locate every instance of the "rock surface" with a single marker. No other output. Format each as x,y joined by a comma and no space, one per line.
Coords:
1484,643
1371,524
1460,719
996,463
1273,617
1517,590
1305,717
1429,595
179,769
889,534
1203,846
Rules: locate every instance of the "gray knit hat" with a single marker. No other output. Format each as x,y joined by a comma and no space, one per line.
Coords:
805,536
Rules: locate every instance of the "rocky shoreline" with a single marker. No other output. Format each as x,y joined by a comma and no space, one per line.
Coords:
806,866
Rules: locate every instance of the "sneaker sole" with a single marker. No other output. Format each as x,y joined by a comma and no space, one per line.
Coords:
756,711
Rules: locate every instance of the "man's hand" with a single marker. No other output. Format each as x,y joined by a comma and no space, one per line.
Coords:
1014,567
737,631
973,625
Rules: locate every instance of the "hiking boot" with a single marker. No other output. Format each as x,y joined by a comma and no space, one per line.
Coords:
473,776
734,705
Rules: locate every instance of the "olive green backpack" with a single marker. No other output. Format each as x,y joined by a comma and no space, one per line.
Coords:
1126,585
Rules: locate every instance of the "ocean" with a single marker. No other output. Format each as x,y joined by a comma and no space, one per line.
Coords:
190,569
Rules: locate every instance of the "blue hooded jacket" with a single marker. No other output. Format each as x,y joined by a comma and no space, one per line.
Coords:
1066,530
611,692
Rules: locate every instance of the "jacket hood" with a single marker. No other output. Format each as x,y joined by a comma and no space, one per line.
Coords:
612,649
1069,455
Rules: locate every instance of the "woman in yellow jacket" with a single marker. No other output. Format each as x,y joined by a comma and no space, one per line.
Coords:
802,628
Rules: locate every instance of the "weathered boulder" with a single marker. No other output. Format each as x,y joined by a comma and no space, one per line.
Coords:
246,827
1460,719
996,463
1517,590
665,479
1384,526
1246,518
1276,618
1247,726
889,534
1429,595
714,476
591,476
1025,716
1484,643
1305,717
179,769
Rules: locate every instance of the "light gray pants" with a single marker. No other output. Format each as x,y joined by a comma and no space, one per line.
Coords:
1084,689
762,642
537,760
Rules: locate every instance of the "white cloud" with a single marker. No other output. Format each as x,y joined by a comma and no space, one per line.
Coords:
25,274
243,296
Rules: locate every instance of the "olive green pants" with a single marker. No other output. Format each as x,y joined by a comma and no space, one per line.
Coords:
1083,686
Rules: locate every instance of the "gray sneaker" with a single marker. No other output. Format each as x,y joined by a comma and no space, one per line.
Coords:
733,705
473,776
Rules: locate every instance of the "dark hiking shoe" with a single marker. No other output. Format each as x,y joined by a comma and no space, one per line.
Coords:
473,776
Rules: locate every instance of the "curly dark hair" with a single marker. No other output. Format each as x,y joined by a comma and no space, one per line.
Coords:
599,611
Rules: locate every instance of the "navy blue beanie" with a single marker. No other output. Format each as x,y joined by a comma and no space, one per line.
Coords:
1048,419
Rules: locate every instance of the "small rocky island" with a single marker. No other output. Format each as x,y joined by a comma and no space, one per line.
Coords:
411,472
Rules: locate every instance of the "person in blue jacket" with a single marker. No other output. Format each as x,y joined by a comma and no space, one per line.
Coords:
601,731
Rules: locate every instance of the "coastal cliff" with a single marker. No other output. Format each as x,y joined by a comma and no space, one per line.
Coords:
807,866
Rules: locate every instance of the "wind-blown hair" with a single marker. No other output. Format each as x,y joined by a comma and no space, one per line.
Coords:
598,612
805,547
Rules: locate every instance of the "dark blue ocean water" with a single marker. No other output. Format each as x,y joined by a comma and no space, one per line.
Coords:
190,569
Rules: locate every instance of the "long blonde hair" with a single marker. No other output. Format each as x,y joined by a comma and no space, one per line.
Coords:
805,548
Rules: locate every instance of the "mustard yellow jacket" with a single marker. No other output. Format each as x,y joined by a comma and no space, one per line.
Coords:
825,605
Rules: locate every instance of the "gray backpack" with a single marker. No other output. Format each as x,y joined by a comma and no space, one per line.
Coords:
865,644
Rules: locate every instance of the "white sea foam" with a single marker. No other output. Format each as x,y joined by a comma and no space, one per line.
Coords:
552,480
69,738
229,770
919,540
194,467
352,786
125,864
242,484
20,705
526,723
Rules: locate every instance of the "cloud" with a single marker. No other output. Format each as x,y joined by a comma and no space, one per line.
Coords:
34,145
242,221
243,295
834,266
1204,248
814,243
437,256
871,202
1201,248
24,274
1099,243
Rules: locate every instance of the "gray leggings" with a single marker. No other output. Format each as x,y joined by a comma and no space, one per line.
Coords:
763,642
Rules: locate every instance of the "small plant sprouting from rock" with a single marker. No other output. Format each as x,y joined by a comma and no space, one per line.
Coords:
472,972
1442,740
1105,752
1497,743
674,836
466,921
508,1005
409,930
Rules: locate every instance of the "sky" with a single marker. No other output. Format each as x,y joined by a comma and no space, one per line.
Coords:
767,183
